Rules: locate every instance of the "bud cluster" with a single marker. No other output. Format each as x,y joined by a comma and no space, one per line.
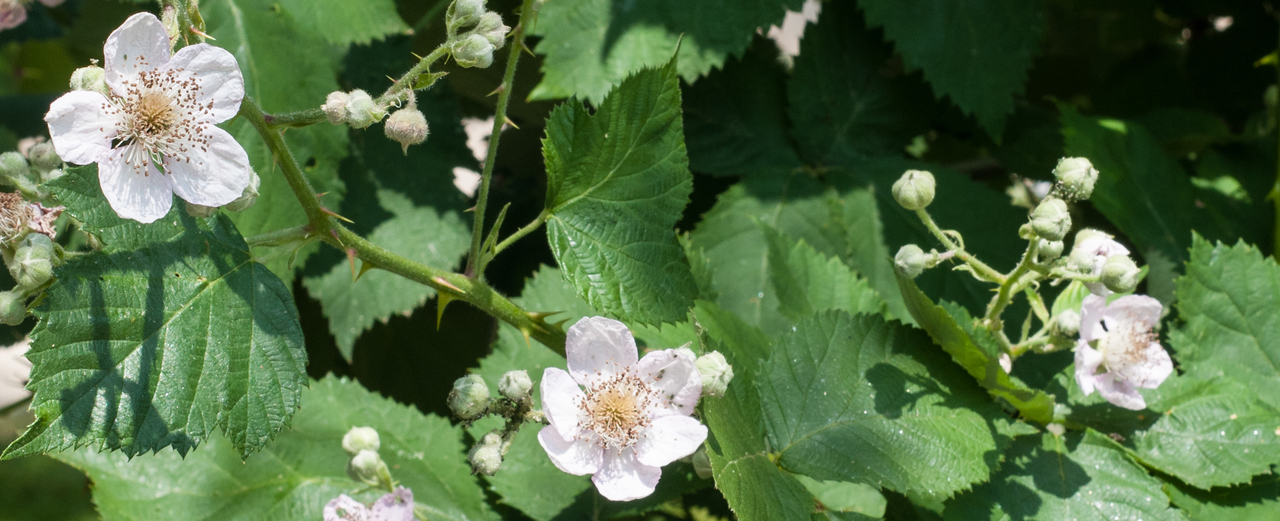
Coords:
366,466
469,400
474,33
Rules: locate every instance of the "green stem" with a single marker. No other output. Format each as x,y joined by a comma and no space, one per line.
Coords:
980,268
475,265
1004,294
279,237
395,92
519,234
300,118
316,215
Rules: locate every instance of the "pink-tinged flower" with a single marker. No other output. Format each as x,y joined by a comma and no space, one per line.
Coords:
14,12
396,506
1093,248
154,134
1119,337
633,418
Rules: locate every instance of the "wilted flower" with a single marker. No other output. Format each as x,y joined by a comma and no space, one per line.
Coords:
1119,337
161,113
633,418
396,506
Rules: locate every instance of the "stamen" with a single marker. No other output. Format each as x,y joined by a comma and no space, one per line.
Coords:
618,409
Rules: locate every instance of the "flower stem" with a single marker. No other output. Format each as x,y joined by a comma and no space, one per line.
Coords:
279,237
519,234
297,119
980,268
1004,294
395,92
475,265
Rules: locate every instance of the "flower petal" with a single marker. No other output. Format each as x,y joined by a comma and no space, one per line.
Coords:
1133,308
1120,392
52,3
214,177
1091,312
578,457
599,347
13,16
218,75
562,401
1155,367
343,508
673,374
622,478
139,44
139,193
668,439
396,506
81,127
1087,361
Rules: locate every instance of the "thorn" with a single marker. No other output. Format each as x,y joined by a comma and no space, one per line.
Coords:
509,122
336,238
201,33
321,194
415,55
442,303
331,212
539,315
365,266
351,258
527,343
393,80
501,87
472,209
441,281
526,49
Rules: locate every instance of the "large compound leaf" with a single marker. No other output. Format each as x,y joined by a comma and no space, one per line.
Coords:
299,473
617,181
157,346
807,281
591,45
862,400
1082,477
79,191
1229,301
975,52
346,21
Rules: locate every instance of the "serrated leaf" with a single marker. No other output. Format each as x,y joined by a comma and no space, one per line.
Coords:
861,400
1259,499
844,101
297,475
80,192
807,281
346,21
147,348
1084,477
591,45
617,181
977,53
840,496
980,359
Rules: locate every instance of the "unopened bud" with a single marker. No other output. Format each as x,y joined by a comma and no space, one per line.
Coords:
359,439
335,107
13,308
367,467
1067,323
469,397
1051,220
406,126
491,27
910,261
473,51
465,12
716,373
1088,233
702,462
32,263
200,210
914,190
90,79
486,456
52,175
44,157
515,385
361,110
13,166
248,197
1076,177
1120,274
1081,261
1050,250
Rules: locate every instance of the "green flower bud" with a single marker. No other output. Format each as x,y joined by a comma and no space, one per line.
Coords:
1051,220
367,467
473,51
1088,233
486,456
910,261
914,190
515,385
91,79
13,166
44,157
702,462
360,439
199,210
1076,177
1067,323
406,126
491,27
1050,250
469,397
1080,261
716,373
335,107
13,308
464,12
32,263
248,197
52,175
1120,274
362,111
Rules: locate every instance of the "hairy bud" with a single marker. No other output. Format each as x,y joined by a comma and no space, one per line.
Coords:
473,51
1050,250
486,456
90,79
335,107
469,397
249,196
13,308
32,263
464,12
716,373
362,111
360,439
1051,220
13,166
367,467
515,385
406,126
915,189
1067,323
1076,177
491,27
44,157
910,261
1120,274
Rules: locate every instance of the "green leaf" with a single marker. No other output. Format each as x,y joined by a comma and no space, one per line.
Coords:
1214,433
346,21
1076,476
843,103
1259,499
617,181
298,474
861,400
418,233
80,192
39,488
754,486
953,330
807,281
839,496
591,45
142,349
1229,302
977,53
